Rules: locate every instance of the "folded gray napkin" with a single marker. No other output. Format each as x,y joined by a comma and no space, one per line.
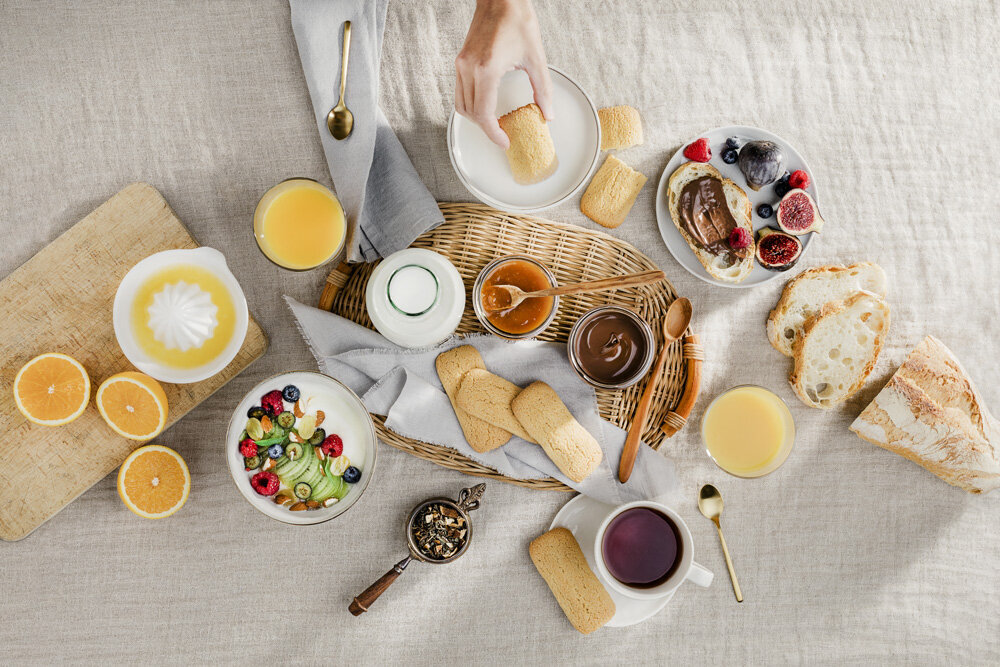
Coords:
387,205
402,385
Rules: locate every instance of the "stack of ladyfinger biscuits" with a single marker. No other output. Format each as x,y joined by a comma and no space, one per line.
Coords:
490,409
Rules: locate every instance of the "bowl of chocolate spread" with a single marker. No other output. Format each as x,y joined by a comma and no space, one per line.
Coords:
611,347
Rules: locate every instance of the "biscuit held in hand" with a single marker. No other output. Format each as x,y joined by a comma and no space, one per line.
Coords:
611,193
451,368
558,558
532,155
543,414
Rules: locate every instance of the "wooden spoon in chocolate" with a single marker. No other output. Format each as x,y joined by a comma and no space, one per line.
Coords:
674,324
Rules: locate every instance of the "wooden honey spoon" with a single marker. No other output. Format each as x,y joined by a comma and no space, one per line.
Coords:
505,297
675,322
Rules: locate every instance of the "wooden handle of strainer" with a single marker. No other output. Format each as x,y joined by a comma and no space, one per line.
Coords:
361,603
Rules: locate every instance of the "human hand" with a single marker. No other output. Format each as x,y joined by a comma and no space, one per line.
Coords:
504,35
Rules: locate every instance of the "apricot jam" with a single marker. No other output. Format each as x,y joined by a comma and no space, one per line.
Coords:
530,313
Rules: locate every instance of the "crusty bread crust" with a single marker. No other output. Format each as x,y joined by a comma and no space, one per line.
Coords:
739,206
799,350
777,319
931,413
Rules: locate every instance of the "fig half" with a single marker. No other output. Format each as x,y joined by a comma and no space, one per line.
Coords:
777,250
798,214
761,163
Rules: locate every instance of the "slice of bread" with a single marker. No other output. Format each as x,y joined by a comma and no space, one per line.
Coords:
806,294
611,193
719,267
621,127
838,349
532,155
558,558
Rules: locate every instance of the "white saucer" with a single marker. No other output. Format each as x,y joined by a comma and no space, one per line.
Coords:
576,132
676,244
582,516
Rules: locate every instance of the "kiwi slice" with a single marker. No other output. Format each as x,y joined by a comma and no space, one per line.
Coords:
286,419
294,451
302,491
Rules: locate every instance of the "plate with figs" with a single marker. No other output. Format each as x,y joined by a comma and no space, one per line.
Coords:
737,206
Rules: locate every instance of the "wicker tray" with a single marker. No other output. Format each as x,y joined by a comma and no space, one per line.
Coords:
472,235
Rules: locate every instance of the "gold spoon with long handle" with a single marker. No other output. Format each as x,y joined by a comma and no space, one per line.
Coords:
505,297
710,504
675,322
340,120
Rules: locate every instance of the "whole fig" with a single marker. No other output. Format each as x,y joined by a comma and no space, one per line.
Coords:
761,163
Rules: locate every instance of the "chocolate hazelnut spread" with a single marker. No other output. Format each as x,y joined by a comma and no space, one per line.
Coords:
611,347
705,216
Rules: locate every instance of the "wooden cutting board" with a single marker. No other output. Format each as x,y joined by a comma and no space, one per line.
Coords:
60,301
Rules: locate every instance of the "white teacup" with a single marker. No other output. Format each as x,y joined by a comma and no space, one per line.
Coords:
686,570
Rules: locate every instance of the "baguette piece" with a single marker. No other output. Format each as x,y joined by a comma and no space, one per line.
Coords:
806,294
621,127
839,349
931,413
725,267
543,414
558,558
451,368
488,397
611,193
532,155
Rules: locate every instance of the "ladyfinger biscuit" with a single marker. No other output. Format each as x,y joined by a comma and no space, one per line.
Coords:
558,558
532,155
569,445
488,397
611,193
620,127
451,368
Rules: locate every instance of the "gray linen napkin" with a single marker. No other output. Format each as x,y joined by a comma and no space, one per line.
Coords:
402,384
387,205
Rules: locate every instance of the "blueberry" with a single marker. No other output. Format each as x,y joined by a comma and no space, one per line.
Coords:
735,143
256,412
352,475
291,393
781,188
765,211
784,177
729,156
275,451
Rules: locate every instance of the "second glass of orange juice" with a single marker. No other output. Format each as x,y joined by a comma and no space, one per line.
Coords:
299,224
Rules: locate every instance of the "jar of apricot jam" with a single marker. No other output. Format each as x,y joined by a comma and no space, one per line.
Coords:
531,316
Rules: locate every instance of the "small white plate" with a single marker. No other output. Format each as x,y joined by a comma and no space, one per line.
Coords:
676,244
582,516
576,132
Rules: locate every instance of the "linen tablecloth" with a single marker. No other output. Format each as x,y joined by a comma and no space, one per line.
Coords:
847,554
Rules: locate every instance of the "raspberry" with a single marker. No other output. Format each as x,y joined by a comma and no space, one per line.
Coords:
272,403
333,446
699,151
799,180
248,447
739,238
265,483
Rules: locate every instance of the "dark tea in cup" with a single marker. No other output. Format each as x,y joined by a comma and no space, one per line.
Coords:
642,547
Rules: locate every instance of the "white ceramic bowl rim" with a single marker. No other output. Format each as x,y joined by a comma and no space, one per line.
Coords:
680,574
211,259
264,504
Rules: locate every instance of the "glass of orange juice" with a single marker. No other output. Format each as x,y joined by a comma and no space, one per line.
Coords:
748,431
299,224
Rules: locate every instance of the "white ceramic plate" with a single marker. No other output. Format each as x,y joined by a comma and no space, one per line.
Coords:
582,516
576,132
345,415
676,244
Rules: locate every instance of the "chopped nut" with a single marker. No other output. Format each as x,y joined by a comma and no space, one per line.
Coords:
320,416
320,454
313,504
299,409
294,437
266,424
330,502
283,498
297,507
268,464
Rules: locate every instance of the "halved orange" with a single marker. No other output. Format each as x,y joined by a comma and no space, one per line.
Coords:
133,404
154,482
52,389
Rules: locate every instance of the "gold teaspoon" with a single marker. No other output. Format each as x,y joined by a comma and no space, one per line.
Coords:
710,504
340,120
